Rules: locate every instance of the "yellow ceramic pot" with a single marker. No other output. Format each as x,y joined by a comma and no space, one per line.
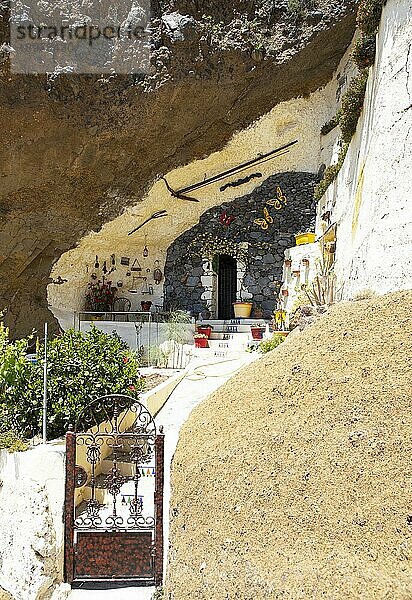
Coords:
305,238
242,309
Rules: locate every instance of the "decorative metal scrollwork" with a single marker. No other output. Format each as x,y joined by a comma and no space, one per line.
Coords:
107,414
120,439
80,476
114,481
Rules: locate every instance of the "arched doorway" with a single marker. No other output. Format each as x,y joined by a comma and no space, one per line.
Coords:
226,286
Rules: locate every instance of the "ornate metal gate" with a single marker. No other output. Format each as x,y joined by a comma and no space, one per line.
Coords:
114,495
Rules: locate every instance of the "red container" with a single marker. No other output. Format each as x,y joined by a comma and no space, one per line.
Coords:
205,329
201,343
257,333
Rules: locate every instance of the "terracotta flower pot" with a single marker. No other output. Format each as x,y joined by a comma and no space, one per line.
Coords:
257,333
205,329
146,305
201,343
285,293
242,309
288,262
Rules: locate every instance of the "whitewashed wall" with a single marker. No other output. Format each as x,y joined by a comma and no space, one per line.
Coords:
31,524
371,201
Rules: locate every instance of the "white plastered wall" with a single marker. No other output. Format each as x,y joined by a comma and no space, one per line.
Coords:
371,200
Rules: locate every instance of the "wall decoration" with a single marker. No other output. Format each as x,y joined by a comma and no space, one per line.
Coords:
181,193
266,221
96,264
240,181
104,268
280,201
125,260
145,249
136,265
135,283
156,215
157,273
226,219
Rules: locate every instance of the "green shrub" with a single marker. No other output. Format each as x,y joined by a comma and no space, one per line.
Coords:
330,174
271,344
369,16
364,50
352,104
81,367
9,440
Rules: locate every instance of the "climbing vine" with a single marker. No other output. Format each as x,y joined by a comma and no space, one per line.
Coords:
347,117
206,244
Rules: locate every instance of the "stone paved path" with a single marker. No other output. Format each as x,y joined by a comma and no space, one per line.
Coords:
200,381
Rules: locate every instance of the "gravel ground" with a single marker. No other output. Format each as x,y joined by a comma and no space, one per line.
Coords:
294,479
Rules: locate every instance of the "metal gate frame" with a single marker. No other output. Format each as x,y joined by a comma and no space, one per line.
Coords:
134,544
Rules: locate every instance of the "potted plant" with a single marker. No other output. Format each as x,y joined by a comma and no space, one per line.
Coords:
296,273
305,238
205,329
242,308
285,292
305,262
257,332
146,305
100,296
288,263
201,340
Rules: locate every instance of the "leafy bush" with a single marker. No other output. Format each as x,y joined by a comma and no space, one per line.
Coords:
271,344
330,174
364,51
369,16
352,103
9,440
81,367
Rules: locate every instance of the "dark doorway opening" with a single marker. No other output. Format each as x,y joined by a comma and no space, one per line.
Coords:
226,286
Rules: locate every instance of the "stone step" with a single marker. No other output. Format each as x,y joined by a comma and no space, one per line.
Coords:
241,336
229,345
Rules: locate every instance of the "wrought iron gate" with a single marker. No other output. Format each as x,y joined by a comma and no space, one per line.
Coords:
114,495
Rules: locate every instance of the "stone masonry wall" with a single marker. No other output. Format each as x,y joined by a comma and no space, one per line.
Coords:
264,248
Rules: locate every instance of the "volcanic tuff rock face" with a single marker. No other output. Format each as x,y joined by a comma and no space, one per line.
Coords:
77,149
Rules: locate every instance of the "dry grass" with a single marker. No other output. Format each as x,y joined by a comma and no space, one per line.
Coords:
294,480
